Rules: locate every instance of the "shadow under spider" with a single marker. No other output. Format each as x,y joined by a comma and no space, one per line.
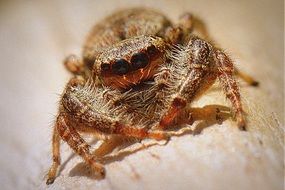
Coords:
206,117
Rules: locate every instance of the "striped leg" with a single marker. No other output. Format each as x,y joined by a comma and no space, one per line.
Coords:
195,84
74,140
225,74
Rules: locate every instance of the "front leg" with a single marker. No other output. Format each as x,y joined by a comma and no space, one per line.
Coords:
76,66
193,75
55,157
95,113
69,134
189,25
202,64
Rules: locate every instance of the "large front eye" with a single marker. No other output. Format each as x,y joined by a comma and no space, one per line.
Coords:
120,67
139,60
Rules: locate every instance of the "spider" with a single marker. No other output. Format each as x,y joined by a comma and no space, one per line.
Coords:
137,77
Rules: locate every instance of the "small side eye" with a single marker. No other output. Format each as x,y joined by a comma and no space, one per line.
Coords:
105,67
152,51
139,60
120,67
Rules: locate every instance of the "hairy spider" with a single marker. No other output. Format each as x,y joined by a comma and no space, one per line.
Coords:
137,76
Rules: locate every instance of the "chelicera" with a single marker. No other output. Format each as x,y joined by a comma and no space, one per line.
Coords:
137,78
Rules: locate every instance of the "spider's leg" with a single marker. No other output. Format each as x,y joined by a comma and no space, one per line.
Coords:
225,72
73,64
187,24
194,76
115,141
69,134
76,66
75,81
108,146
95,114
209,113
191,24
205,64
196,82
55,157
247,78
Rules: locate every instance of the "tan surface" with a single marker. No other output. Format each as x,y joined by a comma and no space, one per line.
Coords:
35,37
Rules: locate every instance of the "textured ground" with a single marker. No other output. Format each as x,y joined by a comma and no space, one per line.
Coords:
36,36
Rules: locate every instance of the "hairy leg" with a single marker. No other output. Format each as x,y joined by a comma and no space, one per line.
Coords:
73,64
205,64
76,66
55,157
190,24
84,105
225,71
69,134
194,62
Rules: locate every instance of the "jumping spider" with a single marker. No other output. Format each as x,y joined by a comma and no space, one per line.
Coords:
137,76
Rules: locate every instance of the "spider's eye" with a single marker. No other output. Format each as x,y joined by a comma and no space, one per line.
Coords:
105,67
152,51
139,60
120,67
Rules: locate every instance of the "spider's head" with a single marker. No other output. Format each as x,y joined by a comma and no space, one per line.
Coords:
130,62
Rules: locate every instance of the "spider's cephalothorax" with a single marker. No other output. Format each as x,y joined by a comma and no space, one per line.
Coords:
138,76
129,62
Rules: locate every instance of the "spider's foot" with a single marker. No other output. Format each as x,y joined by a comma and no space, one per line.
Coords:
159,135
219,117
50,180
241,124
98,169
254,83
190,119
52,172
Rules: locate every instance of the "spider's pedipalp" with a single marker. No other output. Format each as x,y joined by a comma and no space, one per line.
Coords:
69,134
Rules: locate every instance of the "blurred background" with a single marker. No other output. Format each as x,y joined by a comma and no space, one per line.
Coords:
35,37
